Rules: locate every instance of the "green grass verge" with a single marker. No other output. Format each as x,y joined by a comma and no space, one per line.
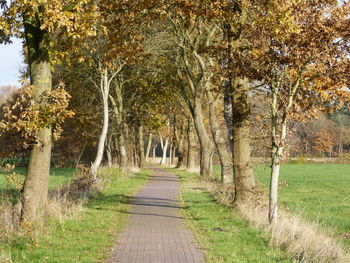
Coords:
89,237
222,233
318,192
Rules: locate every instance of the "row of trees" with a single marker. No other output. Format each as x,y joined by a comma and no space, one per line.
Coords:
172,68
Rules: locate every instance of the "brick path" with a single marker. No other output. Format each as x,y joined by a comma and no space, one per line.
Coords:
155,232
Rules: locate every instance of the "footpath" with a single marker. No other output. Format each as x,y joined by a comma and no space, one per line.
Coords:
155,232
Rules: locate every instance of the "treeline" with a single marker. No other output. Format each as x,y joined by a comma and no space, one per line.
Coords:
218,76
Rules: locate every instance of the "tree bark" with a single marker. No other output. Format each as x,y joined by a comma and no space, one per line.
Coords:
278,138
275,159
122,152
109,153
170,159
181,150
244,176
104,88
154,150
109,157
228,113
191,144
35,190
149,144
118,108
221,143
141,146
204,139
164,149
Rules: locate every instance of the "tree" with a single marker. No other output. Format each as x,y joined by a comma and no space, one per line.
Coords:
299,60
41,22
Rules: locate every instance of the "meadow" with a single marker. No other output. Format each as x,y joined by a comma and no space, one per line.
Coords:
318,192
58,177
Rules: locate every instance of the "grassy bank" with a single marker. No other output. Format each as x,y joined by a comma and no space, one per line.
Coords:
222,233
318,192
88,236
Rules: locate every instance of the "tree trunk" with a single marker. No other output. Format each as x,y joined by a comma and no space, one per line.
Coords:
154,150
104,88
35,189
164,149
181,150
228,112
122,152
244,176
148,149
191,144
109,153
109,157
174,155
141,146
204,140
221,144
170,159
278,139
275,159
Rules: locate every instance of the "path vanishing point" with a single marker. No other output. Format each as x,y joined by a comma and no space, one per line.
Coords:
155,232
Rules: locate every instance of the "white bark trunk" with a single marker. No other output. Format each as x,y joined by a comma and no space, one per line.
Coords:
164,148
148,149
278,143
104,87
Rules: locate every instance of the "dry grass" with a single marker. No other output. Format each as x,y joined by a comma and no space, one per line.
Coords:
193,170
306,241
63,203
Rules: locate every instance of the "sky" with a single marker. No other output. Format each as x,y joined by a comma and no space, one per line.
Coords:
10,63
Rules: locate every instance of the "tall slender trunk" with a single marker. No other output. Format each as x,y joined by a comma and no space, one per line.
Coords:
191,144
164,149
181,150
141,146
204,139
244,176
278,138
228,113
275,158
109,156
221,143
118,110
35,189
154,150
174,155
136,150
149,144
122,151
104,88
109,152
170,159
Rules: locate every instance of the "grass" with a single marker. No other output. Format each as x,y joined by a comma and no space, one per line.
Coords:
89,236
318,192
221,231
58,176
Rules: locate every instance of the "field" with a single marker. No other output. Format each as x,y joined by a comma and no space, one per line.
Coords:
318,192
58,177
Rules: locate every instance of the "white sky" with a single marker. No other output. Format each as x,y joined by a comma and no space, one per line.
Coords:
10,63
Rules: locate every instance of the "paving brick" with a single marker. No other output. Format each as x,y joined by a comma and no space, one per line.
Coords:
155,232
